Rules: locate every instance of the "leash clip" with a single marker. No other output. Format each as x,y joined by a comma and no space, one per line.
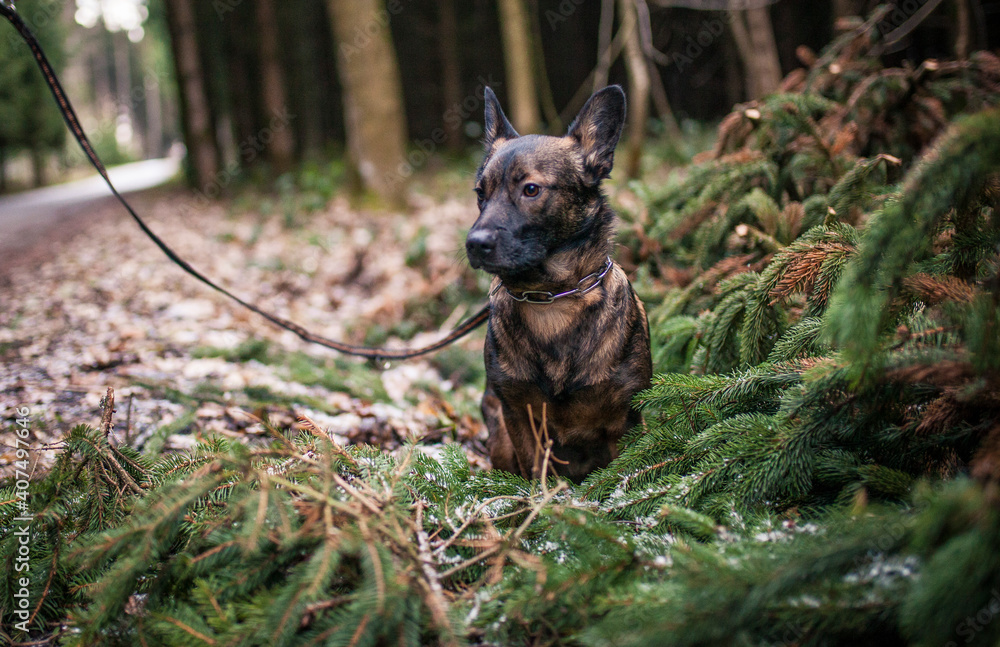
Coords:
8,4
545,298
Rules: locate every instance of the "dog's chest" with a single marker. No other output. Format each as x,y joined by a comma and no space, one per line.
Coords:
555,348
549,322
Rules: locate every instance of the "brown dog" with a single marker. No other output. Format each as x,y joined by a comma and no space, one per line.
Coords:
567,340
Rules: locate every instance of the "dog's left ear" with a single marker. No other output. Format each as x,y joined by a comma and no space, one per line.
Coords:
496,126
597,129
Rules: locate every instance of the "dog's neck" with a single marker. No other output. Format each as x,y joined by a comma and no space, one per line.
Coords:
563,269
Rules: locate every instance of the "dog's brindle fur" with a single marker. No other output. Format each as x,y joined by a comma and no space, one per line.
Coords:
544,224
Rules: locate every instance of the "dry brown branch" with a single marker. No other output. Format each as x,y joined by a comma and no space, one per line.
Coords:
503,547
694,220
112,456
359,632
108,412
431,581
543,447
473,517
939,415
932,290
312,609
803,269
942,373
733,133
728,267
793,214
187,629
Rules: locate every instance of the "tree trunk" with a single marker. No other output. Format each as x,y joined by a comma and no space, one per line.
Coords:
659,92
37,167
308,96
451,70
522,95
662,101
101,74
240,46
604,32
121,51
374,116
154,118
962,38
280,144
638,88
844,9
733,80
754,38
553,122
199,135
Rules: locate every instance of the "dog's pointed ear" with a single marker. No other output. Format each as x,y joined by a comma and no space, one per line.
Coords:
496,125
597,129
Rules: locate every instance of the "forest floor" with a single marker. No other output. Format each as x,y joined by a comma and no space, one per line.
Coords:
105,308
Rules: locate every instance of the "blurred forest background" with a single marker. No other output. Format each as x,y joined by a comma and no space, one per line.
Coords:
392,88
820,459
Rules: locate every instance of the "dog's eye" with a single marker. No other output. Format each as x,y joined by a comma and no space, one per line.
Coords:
531,190
480,195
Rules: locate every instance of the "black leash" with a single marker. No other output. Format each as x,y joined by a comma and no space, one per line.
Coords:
8,11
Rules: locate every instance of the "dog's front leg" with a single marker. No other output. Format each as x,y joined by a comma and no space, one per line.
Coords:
499,443
511,442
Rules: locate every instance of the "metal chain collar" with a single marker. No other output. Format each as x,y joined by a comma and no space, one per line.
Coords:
543,297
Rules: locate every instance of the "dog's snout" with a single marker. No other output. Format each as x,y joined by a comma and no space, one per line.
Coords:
480,243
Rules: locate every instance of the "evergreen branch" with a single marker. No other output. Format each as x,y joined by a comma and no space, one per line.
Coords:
186,628
512,537
934,290
851,190
951,177
475,516
799,340
53,569
775,499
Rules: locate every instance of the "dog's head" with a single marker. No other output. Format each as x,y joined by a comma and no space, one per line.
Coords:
539,195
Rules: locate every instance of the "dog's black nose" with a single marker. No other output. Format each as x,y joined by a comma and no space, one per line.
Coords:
479,244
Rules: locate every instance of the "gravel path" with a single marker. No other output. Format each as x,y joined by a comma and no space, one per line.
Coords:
29,220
